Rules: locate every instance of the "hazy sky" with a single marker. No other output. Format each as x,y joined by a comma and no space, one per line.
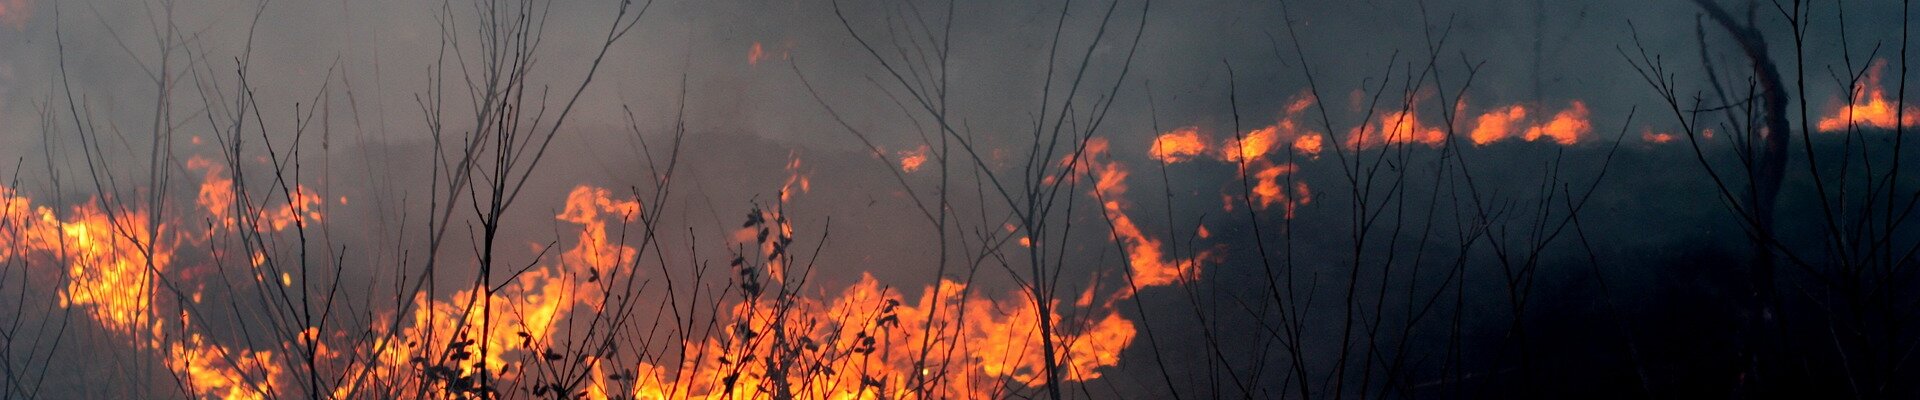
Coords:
746,118
365,64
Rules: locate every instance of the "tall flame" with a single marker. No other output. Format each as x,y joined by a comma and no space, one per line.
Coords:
113,261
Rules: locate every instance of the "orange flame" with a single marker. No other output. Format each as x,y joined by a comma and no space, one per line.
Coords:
874,344
524,314
1259,142
876,340
1253,144
1179,145
208,370
1566,127
1269,191
1150,266
1308,145
1870,107
113,260
1498,124
1656,138
216,196
910,160
1395,127
1248,150
795,178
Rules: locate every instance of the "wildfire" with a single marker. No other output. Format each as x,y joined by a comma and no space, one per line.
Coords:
589,207
1656,138
1870,107
1249,151
208,371
1259,142
109,273
1151,267
866,342
1179,145
1252,144
113,262
1270,191
1308,145
216,196
1566,127
1395,127
1499,123
796,179
910,160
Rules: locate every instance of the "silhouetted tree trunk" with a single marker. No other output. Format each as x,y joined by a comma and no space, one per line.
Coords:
1766,174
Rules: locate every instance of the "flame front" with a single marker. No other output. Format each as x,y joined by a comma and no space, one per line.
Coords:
114,261
1870,107
866,342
